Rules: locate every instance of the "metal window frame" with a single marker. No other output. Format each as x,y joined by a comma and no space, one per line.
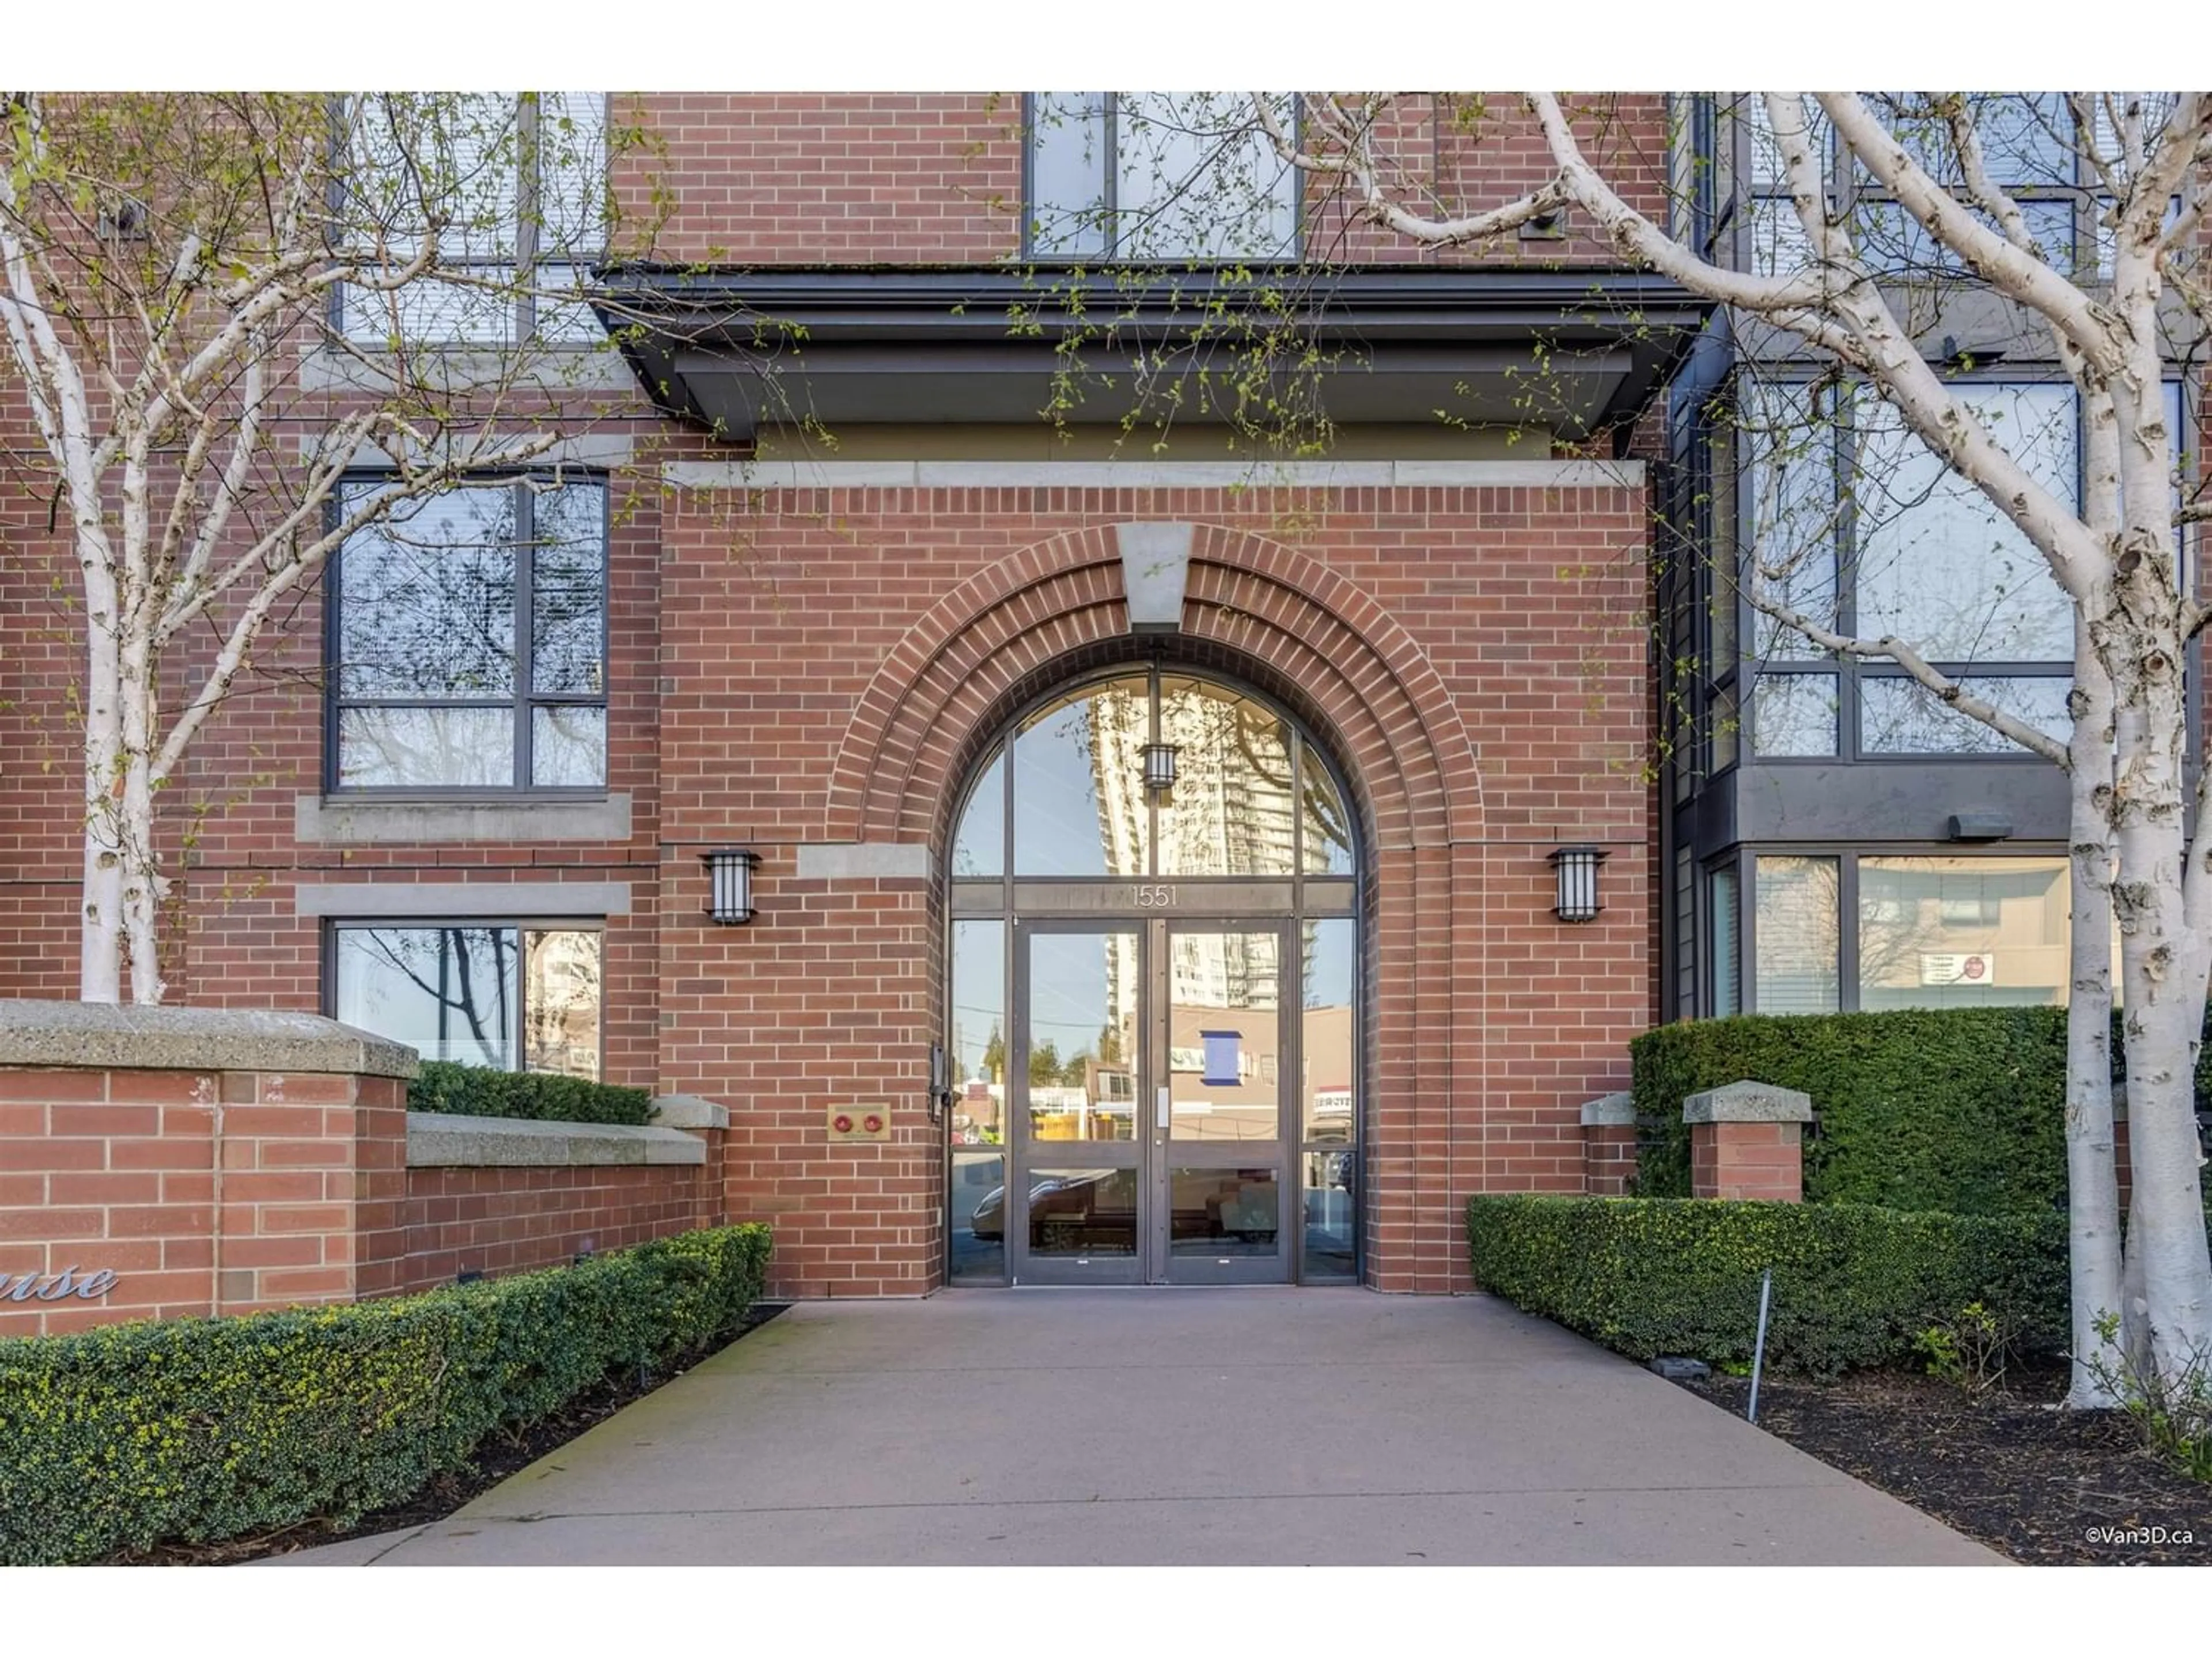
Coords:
1849,184
529,191
1849,672
1857,185
1109,228
1014,916
327,953
1744,860
1710,959
523,700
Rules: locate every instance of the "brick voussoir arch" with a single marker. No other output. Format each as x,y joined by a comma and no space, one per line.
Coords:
1253,607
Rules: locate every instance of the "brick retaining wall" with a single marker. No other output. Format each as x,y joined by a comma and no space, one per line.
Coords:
257,1160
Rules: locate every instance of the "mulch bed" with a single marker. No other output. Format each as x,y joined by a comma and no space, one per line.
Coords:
2037,1484
496,1459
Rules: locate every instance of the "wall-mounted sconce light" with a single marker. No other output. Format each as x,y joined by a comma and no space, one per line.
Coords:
1577,869
730,886
1159,767
1978,826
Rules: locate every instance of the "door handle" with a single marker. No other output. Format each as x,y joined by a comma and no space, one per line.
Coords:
1161,1117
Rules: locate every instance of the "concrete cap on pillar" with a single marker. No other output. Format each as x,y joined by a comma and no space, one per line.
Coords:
1609,1111
1749,1102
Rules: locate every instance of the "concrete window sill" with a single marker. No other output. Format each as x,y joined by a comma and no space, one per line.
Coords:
364,821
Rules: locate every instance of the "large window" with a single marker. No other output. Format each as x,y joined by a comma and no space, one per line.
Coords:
518,183
511,998
1845,932
1158,176
2027,146
2029,150
1795,913
1852,521
1856,524
468,638
1953,932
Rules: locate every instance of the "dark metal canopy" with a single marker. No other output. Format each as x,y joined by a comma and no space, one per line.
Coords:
1573,351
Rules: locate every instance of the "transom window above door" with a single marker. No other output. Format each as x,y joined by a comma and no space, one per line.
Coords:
1248,796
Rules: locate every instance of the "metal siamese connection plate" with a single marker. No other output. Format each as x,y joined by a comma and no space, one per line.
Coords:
865,1120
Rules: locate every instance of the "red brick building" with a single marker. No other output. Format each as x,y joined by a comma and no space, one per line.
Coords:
1153,835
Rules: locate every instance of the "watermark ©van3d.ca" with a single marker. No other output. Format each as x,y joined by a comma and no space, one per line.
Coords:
54,1287
2152,1534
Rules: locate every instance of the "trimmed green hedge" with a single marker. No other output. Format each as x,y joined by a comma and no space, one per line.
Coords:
195,1430
1853,1284
1962,1110
1959,1109
444,1086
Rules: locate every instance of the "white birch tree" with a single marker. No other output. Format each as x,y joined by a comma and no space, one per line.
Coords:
2117,556
216,305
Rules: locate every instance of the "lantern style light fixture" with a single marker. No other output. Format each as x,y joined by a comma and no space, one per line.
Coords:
730,886
1577,869
1159,767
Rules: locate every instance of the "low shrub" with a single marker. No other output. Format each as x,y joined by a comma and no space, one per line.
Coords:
444,1086
1854,1285
195,1430
2172,1413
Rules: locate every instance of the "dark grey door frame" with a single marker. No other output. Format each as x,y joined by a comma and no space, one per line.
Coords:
1152,1154
1027,1152
1169,1154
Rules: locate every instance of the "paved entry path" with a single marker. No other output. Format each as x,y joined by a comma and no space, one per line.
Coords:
1169,1427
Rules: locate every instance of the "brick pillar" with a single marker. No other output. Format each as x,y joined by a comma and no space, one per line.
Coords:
1608,1146
158,1162
1746,1141
705,1121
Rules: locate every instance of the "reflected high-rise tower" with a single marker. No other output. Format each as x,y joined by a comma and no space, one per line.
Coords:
1231,813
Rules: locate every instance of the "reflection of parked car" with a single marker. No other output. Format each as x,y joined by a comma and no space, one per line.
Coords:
1071,1197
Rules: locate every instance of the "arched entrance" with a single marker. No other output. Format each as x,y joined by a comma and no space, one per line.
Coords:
1153,894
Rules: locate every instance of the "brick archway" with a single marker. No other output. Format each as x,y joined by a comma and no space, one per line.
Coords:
1254,607
1332,653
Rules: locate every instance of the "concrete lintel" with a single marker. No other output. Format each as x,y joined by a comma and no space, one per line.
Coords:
410,899
1749,1102
1535,474
100,1035
688,1112
353,823
863,861
1609,1111
444,1140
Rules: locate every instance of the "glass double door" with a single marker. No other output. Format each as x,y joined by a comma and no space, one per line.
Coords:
1151,1075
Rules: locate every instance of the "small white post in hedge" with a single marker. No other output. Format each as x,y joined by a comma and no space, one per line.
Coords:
1759,1346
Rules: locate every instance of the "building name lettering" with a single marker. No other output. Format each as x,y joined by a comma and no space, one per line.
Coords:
25,1287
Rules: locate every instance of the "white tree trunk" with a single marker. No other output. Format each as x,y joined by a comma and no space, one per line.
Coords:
2164,1003
100,970
2092,1198
2165,962
142,884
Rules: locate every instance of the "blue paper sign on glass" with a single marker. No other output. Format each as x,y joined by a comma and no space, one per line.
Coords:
1221,1062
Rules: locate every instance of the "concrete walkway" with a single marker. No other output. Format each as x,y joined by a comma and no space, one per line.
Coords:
1169,1427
